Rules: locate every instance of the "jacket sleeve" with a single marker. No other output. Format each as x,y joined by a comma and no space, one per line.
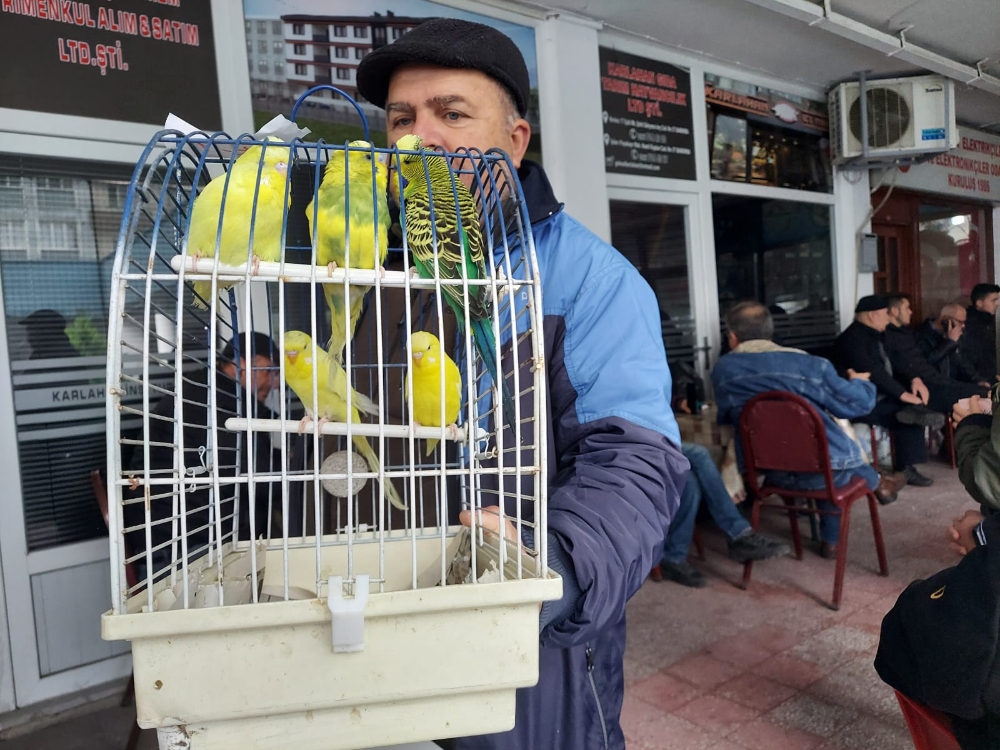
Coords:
619,469
842,397
853,354
976,441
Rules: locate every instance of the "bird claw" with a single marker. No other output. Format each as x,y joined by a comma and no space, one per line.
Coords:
453,431
254,265
133,483
331,267
303,423
414,273
381,272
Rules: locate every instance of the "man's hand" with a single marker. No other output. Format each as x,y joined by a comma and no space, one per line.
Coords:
683,407
909,398
489,520
960,533
964,408
851,375
918,389
954,329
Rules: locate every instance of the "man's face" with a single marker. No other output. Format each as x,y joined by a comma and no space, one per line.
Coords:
989,304
453,108
263,377
902,313
877,319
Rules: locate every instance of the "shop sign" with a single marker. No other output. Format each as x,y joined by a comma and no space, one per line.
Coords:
970,171
782,109
647,116
132,61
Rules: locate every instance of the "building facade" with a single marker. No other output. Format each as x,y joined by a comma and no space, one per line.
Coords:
714,179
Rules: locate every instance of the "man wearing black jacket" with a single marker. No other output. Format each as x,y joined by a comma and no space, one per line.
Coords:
204,519
943,343
899,408
981,331
909,365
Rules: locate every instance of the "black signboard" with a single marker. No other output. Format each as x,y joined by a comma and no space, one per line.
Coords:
127,60
647,116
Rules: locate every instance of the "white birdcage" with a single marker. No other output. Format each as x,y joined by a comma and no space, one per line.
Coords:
263,610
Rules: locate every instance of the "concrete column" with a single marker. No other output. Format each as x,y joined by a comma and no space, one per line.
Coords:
572,131
851,209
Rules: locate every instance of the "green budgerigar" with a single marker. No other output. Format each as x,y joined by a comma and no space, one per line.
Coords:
459,249
248,171
354,186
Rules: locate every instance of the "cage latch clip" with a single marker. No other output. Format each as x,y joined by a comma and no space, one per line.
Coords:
348,614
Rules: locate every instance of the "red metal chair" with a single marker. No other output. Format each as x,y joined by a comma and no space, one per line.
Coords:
780,431
930,729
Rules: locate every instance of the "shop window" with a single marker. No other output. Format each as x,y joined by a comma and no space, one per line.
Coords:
779,253
654,239
58,232
952,243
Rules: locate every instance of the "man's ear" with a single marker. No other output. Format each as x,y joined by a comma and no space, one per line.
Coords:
520,136
732,341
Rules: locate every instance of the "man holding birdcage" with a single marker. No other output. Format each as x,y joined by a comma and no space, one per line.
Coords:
614,444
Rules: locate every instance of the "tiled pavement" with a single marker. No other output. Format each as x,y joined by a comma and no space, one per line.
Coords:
773,668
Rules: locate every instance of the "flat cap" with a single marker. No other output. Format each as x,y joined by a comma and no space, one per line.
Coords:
871,303
450,43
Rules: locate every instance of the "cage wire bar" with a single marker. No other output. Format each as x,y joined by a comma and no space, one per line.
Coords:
235,504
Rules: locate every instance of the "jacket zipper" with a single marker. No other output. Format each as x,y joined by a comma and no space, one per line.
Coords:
597,698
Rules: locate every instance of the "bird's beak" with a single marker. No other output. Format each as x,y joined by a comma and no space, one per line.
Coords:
292,355
417,356
281,167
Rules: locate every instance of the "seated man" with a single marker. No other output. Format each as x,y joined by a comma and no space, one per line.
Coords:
860,347
705,483
981,332
910,366
756,365
943,343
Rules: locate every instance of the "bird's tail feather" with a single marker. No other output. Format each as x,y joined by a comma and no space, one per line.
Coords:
482,334
388,489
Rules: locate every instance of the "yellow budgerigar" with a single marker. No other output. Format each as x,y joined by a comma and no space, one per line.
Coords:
248,171
354,184
427,361
331,389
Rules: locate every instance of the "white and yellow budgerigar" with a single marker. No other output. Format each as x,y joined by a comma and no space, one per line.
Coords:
266,167
354,185
428,361
331,389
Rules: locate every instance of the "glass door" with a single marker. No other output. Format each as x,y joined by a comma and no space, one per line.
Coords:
656,232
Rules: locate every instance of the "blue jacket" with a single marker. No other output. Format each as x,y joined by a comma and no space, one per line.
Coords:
738,377
615,475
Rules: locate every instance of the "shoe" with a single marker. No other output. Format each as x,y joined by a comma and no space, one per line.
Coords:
828,551
750,546
922,416
915,478
655,575
889,486
683,573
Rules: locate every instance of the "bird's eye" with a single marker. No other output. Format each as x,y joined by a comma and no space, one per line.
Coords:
368,157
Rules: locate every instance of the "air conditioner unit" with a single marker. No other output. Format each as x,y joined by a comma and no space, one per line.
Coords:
906,117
